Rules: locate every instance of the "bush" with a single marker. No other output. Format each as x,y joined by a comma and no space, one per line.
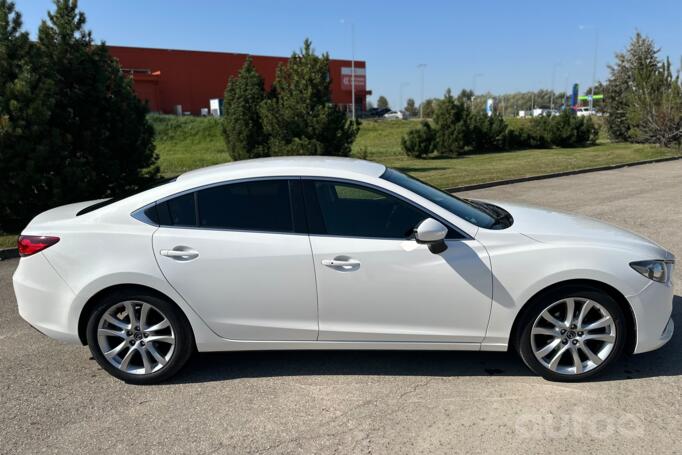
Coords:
419,142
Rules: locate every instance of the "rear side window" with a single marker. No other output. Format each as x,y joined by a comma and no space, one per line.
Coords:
262,205
178,211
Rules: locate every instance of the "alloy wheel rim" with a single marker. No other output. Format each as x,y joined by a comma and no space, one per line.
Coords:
573,336
136,337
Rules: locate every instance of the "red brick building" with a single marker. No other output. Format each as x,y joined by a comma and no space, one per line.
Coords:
175,81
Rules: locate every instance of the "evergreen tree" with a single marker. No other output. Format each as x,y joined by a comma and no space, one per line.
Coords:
99,128
242,127
640,57
301,119
25,107
451,129
411,108
382,103
655,106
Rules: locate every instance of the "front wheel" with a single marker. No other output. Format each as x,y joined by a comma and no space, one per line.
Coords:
572,334
138,337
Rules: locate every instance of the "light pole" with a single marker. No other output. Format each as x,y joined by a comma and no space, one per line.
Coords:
402,85
473,86
594,61
352,64
421,67
551,96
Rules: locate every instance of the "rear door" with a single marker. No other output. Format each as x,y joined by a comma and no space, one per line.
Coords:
239,255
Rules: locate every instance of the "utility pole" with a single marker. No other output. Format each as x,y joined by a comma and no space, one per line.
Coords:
402,85
421,67
352,64
594,61
473,86
594,67
551,96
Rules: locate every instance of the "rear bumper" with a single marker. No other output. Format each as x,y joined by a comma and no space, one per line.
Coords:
653,309
44,299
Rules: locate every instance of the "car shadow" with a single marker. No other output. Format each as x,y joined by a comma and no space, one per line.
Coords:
210,367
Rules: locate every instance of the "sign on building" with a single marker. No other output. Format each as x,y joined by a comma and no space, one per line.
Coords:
347,76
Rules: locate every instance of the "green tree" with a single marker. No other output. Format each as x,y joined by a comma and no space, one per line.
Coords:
411,108
242,127
301,119
451,131
641,57
655,106
25,107
428,107
382,103
99,126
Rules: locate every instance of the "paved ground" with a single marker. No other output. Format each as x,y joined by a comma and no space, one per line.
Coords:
54,398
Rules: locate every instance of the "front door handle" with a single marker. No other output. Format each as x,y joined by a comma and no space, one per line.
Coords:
180,253
344,264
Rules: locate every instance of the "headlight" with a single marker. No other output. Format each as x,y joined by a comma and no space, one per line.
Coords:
654,270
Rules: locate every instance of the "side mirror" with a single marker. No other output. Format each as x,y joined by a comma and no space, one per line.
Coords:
432,233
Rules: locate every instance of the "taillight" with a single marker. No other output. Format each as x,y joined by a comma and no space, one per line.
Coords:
32,244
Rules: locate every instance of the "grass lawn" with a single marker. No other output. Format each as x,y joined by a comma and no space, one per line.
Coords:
188,143
8,240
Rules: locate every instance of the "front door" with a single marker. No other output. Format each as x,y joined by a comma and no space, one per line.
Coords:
375,283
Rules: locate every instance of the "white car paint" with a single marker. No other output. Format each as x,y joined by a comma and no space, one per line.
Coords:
250,291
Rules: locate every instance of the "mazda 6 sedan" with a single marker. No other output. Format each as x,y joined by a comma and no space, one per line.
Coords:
335,253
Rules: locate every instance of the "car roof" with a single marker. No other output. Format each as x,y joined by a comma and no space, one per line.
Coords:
292,165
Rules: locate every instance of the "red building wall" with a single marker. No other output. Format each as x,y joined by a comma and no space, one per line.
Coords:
166,78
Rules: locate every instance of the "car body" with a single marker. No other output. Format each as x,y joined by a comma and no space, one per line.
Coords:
395,115
332,253
585,112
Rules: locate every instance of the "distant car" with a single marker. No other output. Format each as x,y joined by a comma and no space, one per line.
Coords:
399,115
335,253
375,112
585,111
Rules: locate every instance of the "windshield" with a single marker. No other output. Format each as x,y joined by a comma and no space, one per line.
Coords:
471,211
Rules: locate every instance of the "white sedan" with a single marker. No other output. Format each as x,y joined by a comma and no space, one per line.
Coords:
334,253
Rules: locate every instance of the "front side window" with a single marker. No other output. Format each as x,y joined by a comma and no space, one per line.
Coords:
475,214
349,210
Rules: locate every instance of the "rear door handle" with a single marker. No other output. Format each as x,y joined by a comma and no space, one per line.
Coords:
341,263
178,254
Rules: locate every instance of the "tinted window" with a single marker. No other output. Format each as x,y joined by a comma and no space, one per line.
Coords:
263,205
178,211
459,207
357,211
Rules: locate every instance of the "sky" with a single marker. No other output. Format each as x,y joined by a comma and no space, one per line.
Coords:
497,46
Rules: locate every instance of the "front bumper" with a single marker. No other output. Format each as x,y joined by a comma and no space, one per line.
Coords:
652,309
44,299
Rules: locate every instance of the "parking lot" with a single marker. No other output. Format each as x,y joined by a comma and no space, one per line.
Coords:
55,399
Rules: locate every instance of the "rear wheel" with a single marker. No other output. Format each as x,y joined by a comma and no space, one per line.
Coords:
572,334
138,337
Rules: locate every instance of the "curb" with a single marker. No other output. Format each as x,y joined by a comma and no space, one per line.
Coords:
8,253
478,186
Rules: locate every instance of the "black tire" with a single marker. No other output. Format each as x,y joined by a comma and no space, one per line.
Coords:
182,349
537,306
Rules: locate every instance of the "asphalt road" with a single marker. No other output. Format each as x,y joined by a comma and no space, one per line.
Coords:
55,399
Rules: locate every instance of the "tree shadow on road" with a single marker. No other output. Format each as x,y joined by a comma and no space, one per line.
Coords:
209,367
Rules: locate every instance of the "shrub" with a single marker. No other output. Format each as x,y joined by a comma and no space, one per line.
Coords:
419,142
